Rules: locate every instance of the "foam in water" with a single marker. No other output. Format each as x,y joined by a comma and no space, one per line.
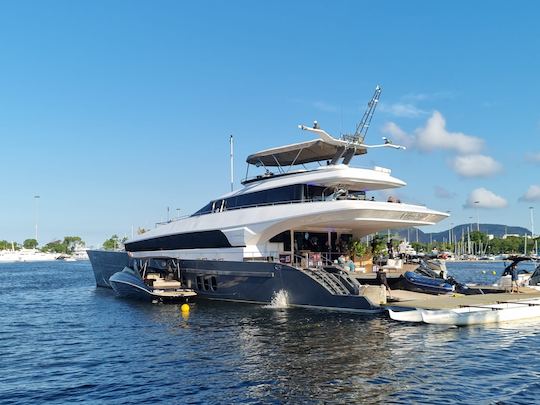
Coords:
279,300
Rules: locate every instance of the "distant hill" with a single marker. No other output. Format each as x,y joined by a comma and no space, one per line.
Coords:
491,229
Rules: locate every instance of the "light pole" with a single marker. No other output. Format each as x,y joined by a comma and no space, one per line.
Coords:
178,213
36,198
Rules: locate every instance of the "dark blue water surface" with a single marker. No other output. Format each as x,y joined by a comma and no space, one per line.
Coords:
63,340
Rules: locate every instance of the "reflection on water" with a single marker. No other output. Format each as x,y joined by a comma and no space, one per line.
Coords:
68,341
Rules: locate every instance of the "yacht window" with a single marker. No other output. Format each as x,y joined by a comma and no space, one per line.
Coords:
206,284
314,193
272,196
206,209
286,194
213,283
199,283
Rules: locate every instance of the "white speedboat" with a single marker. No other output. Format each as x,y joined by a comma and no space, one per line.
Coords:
26,255
282,230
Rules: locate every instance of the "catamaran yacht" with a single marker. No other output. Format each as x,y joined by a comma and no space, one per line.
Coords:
282,230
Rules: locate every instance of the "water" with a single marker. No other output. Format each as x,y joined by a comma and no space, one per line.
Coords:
62,340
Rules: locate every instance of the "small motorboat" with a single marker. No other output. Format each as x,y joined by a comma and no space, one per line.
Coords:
534,280
525,278
152,279
419,283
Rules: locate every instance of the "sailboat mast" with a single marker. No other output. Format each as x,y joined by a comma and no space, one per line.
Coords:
231,141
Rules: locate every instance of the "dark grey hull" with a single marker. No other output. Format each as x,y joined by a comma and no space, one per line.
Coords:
254,282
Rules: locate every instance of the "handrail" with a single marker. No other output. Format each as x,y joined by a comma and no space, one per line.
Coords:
288,202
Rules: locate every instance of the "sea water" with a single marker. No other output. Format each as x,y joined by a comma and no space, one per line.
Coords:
62,340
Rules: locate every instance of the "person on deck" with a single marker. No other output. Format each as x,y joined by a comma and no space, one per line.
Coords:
390,248
381,279
514,274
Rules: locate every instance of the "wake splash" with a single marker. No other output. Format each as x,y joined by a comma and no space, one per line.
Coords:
279,300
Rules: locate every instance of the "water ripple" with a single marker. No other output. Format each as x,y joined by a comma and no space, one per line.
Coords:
62,340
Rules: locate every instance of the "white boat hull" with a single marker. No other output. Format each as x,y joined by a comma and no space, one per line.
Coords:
483,314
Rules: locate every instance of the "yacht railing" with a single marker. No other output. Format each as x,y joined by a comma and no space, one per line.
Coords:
289,202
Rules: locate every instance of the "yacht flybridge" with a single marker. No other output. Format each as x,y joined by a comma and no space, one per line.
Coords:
282,230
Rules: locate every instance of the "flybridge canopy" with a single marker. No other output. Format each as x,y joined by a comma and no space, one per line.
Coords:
301,153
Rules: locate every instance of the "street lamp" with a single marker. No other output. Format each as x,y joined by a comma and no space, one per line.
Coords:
36,198
178,213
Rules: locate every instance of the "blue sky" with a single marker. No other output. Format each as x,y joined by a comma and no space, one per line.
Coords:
113,110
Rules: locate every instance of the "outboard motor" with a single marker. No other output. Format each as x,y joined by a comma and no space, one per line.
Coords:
426,270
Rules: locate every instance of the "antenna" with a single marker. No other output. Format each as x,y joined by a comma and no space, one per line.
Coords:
363,126
231,141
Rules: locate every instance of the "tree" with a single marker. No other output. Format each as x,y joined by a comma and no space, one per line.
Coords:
5,245
71,243
112,243
357,248
30,244
67,246
55,246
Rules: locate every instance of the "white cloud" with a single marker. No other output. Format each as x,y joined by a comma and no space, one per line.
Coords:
533,157
532,194
397,135
435,136
475,166
429,96
483,198
443,193
406,110
325,107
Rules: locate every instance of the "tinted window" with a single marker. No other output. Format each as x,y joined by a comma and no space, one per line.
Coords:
315,192
205,210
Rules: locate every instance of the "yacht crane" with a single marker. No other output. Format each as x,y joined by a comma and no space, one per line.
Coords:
363,126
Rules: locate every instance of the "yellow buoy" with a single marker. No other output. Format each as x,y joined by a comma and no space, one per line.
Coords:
494,272
184,308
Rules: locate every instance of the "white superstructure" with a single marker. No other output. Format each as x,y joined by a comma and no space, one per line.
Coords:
333,199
